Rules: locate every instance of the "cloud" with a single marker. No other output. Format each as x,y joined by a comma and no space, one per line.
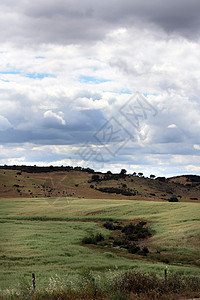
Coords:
67,69
4,123
172,126
73,22
197,147
51,118
193,168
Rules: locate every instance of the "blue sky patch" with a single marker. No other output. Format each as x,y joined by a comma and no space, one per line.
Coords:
39,57
38,75
125,91
29,75
91,79
4,80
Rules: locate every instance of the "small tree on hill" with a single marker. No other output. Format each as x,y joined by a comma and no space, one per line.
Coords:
123,172
95,177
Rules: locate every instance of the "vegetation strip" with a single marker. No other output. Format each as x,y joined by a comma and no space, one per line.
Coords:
126,237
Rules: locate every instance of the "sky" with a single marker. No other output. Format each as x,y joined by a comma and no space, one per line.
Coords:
101,84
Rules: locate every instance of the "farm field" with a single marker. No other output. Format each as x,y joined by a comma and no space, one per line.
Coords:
43,235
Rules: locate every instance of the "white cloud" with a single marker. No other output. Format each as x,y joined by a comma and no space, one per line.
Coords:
54,117
172,126
88,104
197,147
4,123
193,168
61,113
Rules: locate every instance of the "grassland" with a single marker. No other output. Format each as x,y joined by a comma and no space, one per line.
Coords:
43,235
78,184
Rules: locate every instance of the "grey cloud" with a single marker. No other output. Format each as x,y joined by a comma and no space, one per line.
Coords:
77,22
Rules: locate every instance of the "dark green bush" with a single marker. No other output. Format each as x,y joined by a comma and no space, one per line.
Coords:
99,237
111,226
145,250
173,199
93,239
121,241
89,240
133,249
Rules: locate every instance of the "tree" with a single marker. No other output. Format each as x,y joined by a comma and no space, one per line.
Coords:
123,172
140,174
161,179
152,176
134,173
109,173
95,177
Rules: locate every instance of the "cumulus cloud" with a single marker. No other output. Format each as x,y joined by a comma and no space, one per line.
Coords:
52,118
4,123
79,63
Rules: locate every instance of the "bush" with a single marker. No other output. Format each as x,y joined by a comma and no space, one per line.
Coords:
133,249
145,250
93,239
173,199
89,240
99,237
108,225
95,177
121,241
111,226
116,191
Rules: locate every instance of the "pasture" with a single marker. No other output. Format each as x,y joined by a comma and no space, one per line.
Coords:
43,235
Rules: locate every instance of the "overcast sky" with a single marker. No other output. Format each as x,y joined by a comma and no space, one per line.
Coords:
101,84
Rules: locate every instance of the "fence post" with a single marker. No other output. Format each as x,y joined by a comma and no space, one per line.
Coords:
166,274
33,280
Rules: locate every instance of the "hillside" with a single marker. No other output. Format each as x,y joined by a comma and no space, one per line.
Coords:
24,181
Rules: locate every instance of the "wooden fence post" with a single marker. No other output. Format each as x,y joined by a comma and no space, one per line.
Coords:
33,280
165,274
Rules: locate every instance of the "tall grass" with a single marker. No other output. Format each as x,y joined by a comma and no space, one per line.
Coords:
110,285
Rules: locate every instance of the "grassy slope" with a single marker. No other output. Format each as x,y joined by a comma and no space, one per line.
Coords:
75,184
54,246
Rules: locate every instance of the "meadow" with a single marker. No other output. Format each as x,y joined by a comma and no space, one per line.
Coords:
43,235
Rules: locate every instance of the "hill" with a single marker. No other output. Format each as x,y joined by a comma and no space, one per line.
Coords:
33,182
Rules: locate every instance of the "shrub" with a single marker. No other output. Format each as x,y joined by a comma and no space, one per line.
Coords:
145,250
162,179
121,241
89,240
95,177
133,249
111,226
108,225
99,237
93,239
173,199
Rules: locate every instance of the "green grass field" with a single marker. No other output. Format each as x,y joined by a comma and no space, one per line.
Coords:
44,236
